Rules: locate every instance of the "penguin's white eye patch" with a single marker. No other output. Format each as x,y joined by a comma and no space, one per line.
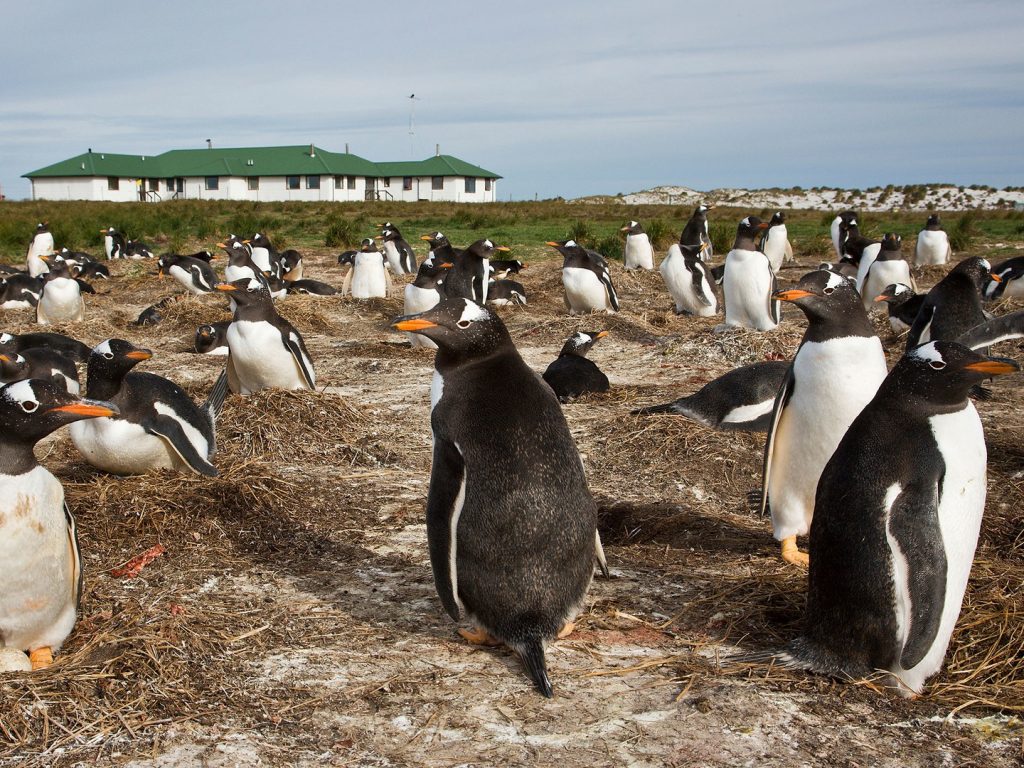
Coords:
108,355
938,365
28,406
463,324
746,222
829,290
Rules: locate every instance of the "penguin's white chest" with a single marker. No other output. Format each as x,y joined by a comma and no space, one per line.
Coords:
121,447
260,358
882,274
834,380
37,562
638,253
261,258
932,247
867,258
108,246
584,290
61,302
420,300
368,278
747,286
393,256
775,246
680,284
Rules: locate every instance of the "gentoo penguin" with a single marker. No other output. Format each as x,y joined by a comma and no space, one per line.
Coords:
932,244
152,315
91,269
310,287
11,343
1006,282
20,291
775,242
903,305
264,349
425,292
586,279
741,399
887,268
470,271
502,293
839,234
40,565
844,268
502,268
212,338
953,305
696,232
41,244
290,262
440,248
858,250
835,373
136,249
638,253
61,299
240,266
264,255
571,374
368,277
748,281
195,275
399,254
689,281
113,243
158,427
896,523
511,525
40,363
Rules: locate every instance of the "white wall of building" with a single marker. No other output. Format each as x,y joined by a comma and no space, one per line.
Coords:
84,188
453,189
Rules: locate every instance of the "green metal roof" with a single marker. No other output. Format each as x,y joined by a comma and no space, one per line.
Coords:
252,161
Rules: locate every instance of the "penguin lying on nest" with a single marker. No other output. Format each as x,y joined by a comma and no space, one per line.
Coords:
571,374
40,363
71,348
511,525
903,303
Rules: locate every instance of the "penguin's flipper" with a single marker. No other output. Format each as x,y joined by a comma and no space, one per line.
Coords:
214,405
698,286
921,323
76,557
346,285
914,527
444,505
171,431
785,392
991,332
84,287
295,345
774,306
602,561
605,277
789,251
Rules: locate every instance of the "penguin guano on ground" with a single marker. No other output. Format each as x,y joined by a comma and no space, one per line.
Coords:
835,373
264,349
586,279
903,305
194,275
159,427
932,244
571,374
40,363
637,253
399,254
889,267
368,276
469,275
775,242
511,525
40,244
696,232
953,305
740,400
61,298
748,281
689,281
896,522
40,564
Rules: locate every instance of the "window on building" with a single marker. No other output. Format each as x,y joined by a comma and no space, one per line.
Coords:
487,185
339,182
351,182
113,183
212,182
154,185
407,183
292,182
470,185
436,182
312,182
254,182
170,185
387,181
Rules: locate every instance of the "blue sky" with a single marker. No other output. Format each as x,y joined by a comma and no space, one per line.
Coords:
569,99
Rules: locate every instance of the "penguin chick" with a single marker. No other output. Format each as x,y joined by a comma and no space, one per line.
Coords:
571,374
511,525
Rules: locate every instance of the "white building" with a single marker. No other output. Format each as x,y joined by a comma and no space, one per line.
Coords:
260,174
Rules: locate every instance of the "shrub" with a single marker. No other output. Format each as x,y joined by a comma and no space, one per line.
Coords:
343,233
963,232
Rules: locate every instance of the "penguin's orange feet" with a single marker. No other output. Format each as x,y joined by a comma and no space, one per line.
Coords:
566,630
478,636
41,658
791,554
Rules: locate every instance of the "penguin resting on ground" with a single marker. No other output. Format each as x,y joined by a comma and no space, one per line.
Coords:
571,374
903,305
20,291
40,564
40,363
586,279
194,275
211,339
503,293
511,525
71,348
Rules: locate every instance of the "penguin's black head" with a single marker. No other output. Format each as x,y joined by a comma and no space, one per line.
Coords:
368,246
568,247
821,293
9,343
13,367
461,328
435,240
57,265
387,232
581,342
848,223
290,260
895,294
485,249
633,228
978,270
891,242
701,211
247,291
943,372
777,218
847,217
749,227
41,227
33,408
109,232
260,241
113,358
934,222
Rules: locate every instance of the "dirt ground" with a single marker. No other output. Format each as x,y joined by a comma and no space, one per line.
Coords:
292,618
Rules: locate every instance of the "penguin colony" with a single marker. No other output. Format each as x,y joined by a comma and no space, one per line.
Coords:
511,524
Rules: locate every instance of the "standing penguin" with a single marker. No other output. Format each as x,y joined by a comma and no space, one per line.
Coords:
835,373
41,244
839,234
369,277
511,525
159,427
423,293
896,522
889,267
114,243
638,253
40,564
264,255
264,349
689,281
468,278
586,279
775,242
748,281
696,232
61,300
932,244
194,275
858,250
953,305
571,374
399,254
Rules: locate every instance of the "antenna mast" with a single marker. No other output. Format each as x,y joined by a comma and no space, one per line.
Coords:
412,125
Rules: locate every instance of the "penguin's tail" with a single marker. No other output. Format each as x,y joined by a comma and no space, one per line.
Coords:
802,654
666,408
215,400
532,652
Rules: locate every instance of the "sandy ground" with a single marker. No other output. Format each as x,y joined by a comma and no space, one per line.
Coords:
293,619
